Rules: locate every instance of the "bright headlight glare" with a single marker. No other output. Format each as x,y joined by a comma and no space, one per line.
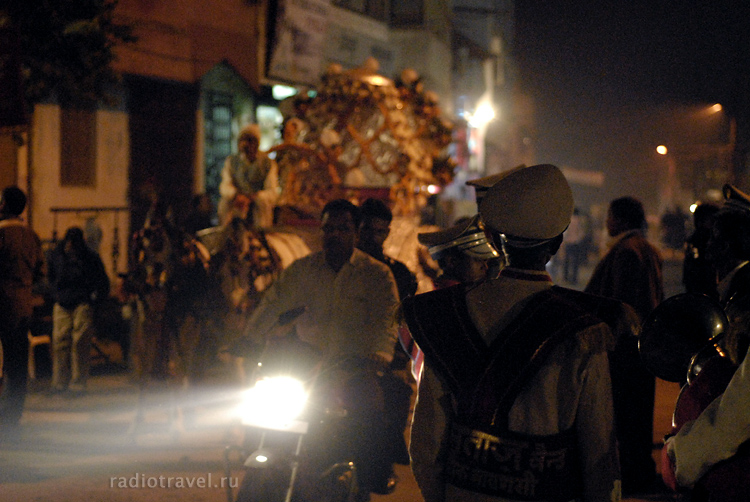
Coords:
273,402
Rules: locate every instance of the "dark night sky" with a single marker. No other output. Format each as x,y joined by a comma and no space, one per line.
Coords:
602,74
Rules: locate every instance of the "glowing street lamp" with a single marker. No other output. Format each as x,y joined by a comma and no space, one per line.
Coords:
483,115
671,186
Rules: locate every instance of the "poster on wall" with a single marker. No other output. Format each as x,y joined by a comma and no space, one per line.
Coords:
298,39
12,111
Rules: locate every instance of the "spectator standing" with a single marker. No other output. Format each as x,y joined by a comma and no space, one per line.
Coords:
21,266
201,214
673,228
78,280
574,248
631,272
698,273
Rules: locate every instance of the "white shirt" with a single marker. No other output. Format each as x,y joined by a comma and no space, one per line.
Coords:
349,313
717,433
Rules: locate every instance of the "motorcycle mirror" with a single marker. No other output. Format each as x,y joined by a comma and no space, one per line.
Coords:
676,330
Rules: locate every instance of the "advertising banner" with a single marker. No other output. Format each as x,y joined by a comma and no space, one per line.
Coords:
298,40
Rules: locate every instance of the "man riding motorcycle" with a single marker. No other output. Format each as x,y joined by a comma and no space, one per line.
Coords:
350,301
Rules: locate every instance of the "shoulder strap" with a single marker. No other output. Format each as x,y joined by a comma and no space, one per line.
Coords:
519,352
486,379
619,316
440,324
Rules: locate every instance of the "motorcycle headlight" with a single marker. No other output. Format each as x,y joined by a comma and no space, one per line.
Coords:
273,403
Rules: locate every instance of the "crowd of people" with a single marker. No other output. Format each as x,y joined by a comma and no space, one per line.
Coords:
526,390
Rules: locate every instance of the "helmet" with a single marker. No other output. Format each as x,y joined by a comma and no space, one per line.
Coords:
677,330
467,236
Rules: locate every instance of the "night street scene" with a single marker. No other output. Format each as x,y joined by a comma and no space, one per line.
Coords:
381,250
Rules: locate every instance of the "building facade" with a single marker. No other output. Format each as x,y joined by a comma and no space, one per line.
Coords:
197,73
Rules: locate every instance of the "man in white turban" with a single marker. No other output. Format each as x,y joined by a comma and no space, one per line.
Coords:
249,182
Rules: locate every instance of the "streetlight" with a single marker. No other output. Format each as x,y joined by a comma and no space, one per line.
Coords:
671,186
702,140
483,115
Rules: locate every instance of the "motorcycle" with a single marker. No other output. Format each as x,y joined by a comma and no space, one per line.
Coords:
297,427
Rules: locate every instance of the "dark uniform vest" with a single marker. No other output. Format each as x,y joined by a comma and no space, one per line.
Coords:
479,453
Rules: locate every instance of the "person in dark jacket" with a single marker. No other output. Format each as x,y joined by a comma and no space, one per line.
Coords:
21,267
698,273
631,272
373,230
78,279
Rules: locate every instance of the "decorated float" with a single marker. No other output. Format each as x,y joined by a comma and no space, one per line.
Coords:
362,135
358,135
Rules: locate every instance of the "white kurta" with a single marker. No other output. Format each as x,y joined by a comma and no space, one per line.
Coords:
265,200
722,427
717,433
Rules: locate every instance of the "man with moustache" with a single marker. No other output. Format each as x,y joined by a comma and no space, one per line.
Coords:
349,300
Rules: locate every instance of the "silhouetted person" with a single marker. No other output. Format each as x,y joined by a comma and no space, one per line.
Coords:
21,266
78,280
201,214
698,273
374,228
631,272
574,247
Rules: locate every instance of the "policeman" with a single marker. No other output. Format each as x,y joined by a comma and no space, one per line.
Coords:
482,185
462,252
514,366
